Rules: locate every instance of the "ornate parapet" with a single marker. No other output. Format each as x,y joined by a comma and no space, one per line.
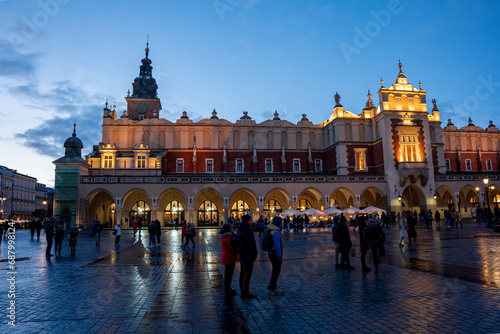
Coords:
413,170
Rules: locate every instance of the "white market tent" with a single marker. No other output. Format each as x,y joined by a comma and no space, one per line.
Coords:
332,211
352,211
313,212
373,209
289,213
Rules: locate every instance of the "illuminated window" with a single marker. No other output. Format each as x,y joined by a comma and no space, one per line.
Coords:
141,161
140,211
447,164
239,208
239,165
360,159
208,214
296,165
409,148
468,165
180,165
489,166
108,161
269,165
272,208
318,165
173,210
209,163
304,204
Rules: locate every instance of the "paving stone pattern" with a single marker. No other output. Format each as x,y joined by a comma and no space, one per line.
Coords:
447,283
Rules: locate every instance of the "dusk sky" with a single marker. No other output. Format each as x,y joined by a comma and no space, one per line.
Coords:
61,59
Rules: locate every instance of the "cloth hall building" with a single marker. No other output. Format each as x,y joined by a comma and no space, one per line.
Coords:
395,155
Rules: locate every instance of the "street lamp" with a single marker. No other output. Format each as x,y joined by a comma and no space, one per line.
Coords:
486,181
435,196
399,197
44,202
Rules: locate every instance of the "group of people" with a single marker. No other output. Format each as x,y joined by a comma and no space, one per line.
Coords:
57,233
239,245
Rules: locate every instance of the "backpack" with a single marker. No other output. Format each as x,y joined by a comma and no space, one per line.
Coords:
235,243
266,242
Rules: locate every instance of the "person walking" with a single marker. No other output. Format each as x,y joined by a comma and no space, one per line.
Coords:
437,217
49,234
58,238
73,235
139,226
158,232
94,223
176,223
183,232
260,226
336,240
118,229
411,222
403,229
363,243
345,244
229,258
248,254
134,227
458,219
190,233
429,218
375,237
32,229
306,222
152,234
98,231
275,254
38,227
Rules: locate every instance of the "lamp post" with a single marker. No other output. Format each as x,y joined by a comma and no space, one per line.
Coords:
486,181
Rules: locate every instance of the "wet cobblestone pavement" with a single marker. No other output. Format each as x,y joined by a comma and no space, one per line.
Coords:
447,283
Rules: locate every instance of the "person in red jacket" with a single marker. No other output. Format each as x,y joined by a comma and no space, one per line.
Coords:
229,258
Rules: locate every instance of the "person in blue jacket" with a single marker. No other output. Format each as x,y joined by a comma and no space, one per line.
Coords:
248,254
275,255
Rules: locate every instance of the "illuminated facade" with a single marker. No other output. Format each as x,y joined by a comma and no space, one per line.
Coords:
391,156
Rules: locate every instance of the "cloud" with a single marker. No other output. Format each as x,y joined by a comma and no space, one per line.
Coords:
14,63
68,104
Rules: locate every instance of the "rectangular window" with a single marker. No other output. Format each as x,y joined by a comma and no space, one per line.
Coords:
269,165
180,166
409,149
468,165
360,160
239,166
489,166
141,161
296,165
209,165
108,161
447,164
318,165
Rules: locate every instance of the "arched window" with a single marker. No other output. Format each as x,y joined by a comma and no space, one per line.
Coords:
489,142
141,212
447,144
173,210
433,134
272,208
206,138
236,139
348,132
208,214
116,138
222,138
270,140
239,208
312,140
284,138
146,138
304,204
361,132
298,140
130,139
177,139
161,139
251,139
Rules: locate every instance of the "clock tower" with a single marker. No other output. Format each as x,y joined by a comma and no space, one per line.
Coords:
144,101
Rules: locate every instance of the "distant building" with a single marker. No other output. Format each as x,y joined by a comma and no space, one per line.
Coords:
19,194
41,198
394,155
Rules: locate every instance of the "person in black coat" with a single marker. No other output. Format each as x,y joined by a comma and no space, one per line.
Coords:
158,232
248,254
49,233
38,227
363,243
58,238
32,229
375,237
73,235
344,238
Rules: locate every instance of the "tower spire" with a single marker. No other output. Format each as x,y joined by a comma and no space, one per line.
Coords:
74,129
399,64
147,47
